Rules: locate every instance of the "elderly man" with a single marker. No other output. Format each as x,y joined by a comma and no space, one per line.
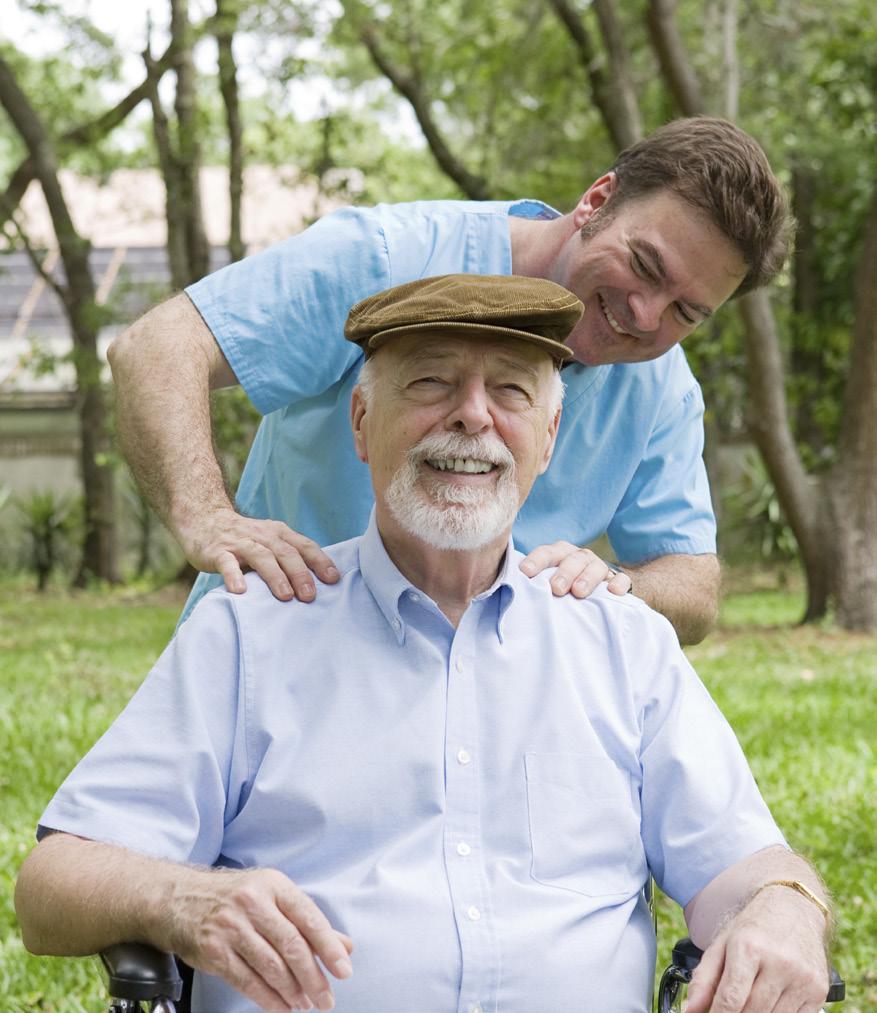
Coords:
436,759
683,220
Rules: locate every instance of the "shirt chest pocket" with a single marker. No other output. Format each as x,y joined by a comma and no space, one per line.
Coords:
584,826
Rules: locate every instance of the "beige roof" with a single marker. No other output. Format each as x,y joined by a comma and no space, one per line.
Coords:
127,208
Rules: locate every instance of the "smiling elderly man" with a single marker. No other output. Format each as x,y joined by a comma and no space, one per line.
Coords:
437,759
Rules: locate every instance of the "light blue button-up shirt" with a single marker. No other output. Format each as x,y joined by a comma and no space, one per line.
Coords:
628,455
477,808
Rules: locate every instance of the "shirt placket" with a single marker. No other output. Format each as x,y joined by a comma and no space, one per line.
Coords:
463,843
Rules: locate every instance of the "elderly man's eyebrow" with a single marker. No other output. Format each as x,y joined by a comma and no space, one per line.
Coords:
519,365
643,246
424,357
418,356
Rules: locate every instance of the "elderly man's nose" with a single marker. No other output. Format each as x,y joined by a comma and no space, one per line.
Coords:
471,411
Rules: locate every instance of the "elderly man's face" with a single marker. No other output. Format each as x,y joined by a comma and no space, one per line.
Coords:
649,272
455,432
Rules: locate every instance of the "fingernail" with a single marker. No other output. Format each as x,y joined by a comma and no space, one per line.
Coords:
559,584
307,590
284,587
325,1001
342,968
528,567
238,587
332,573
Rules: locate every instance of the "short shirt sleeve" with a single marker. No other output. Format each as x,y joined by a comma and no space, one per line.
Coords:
167,774
279,314
701,808
666,508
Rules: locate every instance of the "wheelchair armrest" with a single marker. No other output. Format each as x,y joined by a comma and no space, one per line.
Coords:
686,957
139,971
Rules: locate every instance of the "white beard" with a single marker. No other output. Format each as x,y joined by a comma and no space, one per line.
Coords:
454,517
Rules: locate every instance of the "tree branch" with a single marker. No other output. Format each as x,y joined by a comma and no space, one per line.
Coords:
409,87
82,136
33,257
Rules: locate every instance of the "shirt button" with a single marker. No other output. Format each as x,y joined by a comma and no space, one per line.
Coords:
463,757
473,913
397,625
414,596
463,849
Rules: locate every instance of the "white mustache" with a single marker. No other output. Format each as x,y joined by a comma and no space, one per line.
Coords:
457,445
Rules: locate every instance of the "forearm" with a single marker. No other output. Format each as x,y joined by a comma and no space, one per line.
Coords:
253,927
730,891
163,368
683,588
75,897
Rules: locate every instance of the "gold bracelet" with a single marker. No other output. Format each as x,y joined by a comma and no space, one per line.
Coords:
798,887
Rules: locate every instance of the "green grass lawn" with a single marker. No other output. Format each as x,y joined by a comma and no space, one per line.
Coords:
803,703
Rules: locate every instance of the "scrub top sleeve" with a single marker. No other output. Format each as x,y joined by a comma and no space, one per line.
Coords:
158,780
279,315
701,808
666,509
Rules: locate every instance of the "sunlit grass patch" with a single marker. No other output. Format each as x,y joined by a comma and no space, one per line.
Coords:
802,701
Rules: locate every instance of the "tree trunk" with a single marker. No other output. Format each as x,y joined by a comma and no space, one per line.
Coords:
855,487
177,252
188,146
805,361
226,22
772,433
675,65
99,547
612,93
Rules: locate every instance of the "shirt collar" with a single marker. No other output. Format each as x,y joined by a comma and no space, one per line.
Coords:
532,209
387,584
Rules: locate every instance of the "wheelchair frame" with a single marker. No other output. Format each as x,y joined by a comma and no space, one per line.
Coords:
139,973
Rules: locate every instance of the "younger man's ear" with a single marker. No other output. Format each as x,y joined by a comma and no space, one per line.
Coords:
597,194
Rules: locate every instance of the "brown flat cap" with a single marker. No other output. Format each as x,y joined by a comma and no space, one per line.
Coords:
480,305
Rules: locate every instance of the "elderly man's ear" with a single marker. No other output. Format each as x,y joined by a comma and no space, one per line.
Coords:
550,441
357,414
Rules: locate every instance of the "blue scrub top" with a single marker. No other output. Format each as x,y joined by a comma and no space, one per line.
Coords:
628,457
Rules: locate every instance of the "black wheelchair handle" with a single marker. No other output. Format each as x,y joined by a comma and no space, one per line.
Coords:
686,956
141,972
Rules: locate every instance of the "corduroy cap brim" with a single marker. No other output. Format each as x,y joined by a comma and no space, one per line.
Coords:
500,307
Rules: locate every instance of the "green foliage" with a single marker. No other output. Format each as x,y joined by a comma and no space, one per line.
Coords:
754,520
83,654
66,85
48,522
234,425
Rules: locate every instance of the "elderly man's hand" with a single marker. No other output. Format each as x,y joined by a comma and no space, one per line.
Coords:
771,957
259,932
228,544
579,570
